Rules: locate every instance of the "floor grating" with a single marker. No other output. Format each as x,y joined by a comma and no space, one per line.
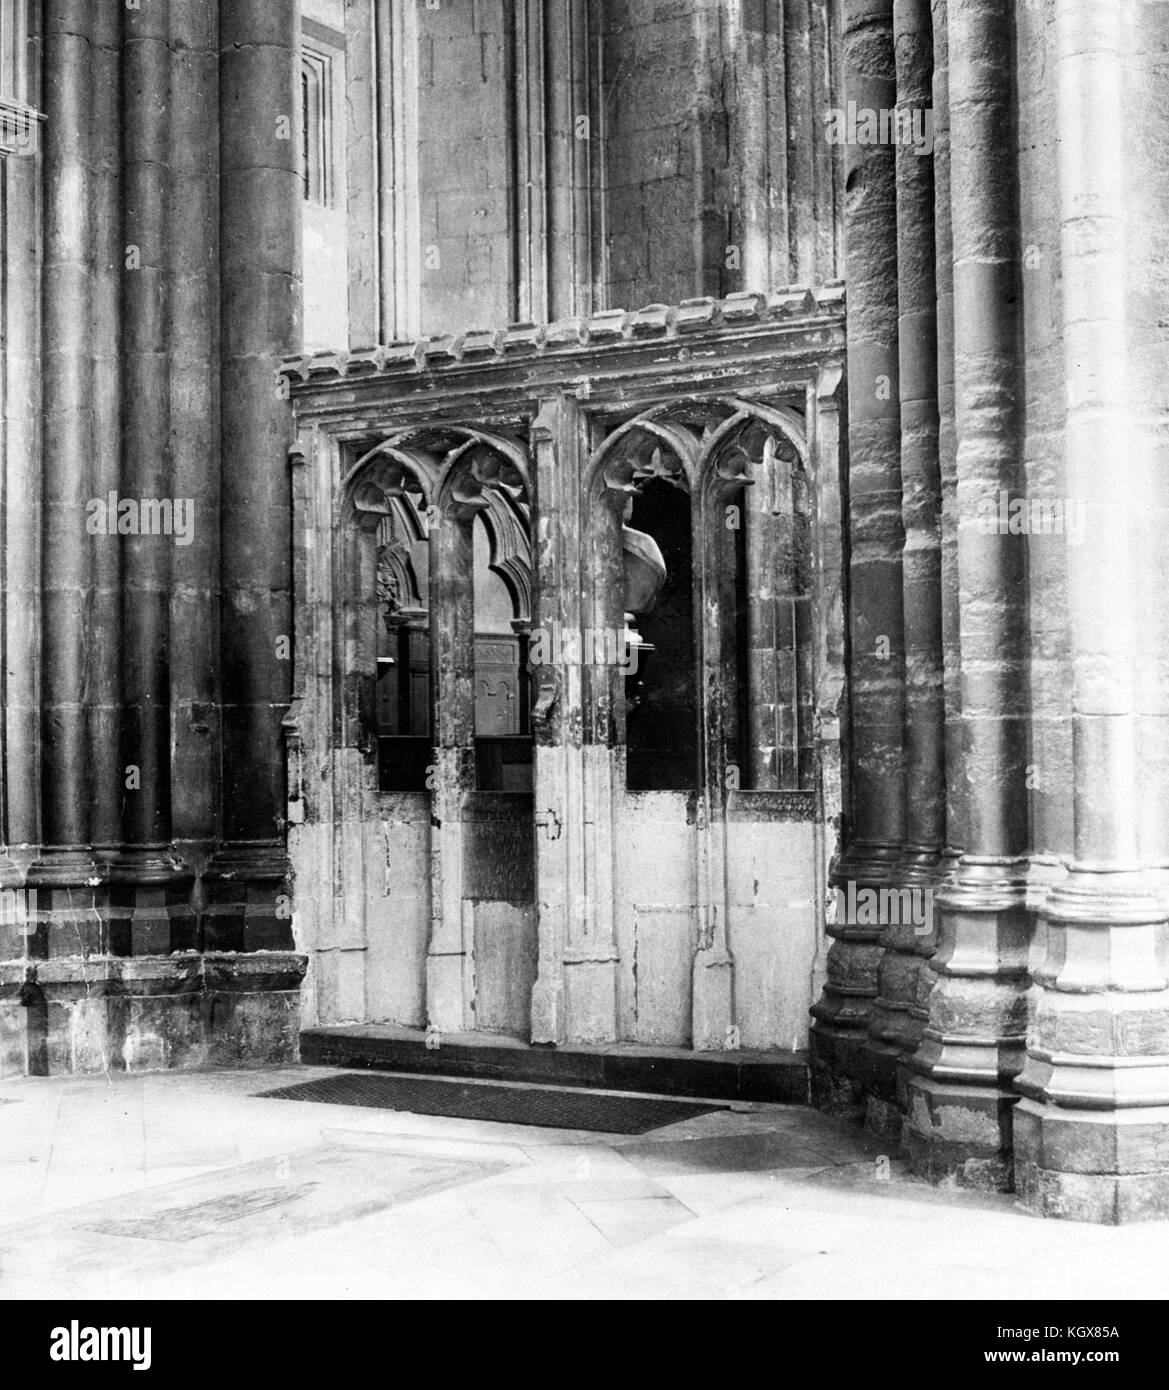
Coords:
545,1107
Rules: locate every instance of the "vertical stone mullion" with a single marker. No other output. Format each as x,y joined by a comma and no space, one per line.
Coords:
827,188
1096,1079
795,263
894,1031
568,160
712,1009
395,35
960,1093
759,136
556,564
770,631
876,827
528,157
594,765
450,954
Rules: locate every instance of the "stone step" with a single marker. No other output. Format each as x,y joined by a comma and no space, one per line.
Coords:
778,1077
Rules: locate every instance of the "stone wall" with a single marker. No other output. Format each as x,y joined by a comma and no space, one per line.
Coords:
717,176
466,167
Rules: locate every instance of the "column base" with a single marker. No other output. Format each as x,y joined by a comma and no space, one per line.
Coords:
148,910
959,1134
837,1058
248,904
81,1016
884,1118
1107,1167
842,1063
68,918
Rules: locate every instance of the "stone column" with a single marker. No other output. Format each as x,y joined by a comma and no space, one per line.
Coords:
876,824
893,1029
260,309
23,1017
144,866
110,272
948,481
64,871
193,237
947,429
1089,1135
960,1094
20,515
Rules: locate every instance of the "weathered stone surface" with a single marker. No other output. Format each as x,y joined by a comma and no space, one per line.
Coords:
995,730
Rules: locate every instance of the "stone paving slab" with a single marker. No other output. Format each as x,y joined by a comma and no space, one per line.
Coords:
191,1186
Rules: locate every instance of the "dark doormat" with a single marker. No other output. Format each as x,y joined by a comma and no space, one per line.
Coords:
509,1105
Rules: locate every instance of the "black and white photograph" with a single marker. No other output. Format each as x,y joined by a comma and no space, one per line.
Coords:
584,673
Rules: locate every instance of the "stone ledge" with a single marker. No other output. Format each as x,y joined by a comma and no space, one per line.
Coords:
795,306
187,973
777,1077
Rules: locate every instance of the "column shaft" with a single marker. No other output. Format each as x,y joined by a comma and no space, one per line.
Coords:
876,824
146,430
1096,1081
960,1096
260,309
947,432
893,1029
67,478
21,501
107,765
194,412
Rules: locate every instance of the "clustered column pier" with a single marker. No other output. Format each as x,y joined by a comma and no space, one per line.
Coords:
148,613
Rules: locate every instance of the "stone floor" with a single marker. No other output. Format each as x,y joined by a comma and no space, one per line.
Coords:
191,1186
